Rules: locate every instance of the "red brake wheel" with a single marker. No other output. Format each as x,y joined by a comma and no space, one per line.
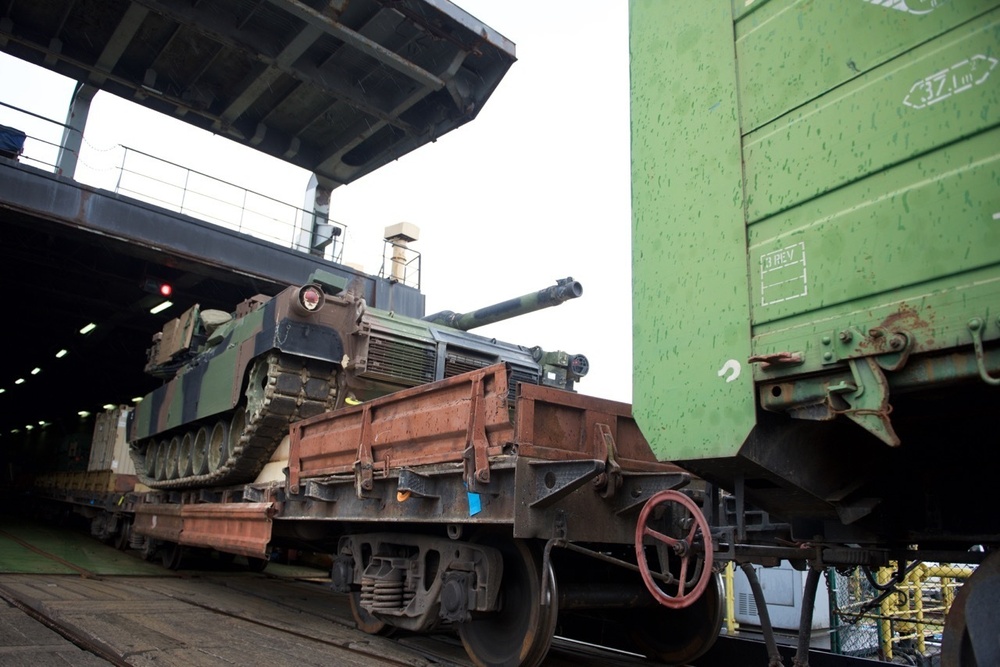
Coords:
686,593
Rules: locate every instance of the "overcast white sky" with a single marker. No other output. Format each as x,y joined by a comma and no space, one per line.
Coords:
534,189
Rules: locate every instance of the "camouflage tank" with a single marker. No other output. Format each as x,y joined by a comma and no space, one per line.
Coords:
234,382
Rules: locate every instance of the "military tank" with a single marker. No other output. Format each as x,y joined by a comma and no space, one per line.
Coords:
235,381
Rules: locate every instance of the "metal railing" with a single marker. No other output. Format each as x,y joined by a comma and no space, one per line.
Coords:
174,187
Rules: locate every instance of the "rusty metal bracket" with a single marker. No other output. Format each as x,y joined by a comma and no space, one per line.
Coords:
364,466
411,483
890,347
319,491
868,398
553,480
609,481
477,465
783,359
976,327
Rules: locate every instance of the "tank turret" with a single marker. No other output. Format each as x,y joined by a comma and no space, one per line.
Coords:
564,290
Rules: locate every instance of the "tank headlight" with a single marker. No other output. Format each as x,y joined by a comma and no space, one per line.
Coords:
578,365
311,299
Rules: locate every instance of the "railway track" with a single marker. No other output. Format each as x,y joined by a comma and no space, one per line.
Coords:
213,615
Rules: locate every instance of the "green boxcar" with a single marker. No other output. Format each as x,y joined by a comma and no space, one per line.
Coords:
816,257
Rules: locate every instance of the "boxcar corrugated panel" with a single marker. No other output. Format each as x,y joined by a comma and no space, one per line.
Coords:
931,96
790,53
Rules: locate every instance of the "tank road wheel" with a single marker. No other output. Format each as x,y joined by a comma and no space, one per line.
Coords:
170,463
199,451
225,438
681,547
149,461
161,460
972,626
520,631
184,455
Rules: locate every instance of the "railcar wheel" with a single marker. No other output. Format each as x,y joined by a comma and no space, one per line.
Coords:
365,621
172,555
694,523
520,631
149,548
972,627
257,564
679,636
124,534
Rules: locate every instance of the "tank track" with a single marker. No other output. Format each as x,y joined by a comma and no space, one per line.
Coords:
290,388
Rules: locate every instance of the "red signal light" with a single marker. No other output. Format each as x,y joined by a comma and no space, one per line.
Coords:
157,286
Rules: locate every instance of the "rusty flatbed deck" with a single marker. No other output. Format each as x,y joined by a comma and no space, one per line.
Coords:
451,452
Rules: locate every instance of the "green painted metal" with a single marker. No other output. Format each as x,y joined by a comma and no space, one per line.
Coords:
690,311
867,143
790,53
889,115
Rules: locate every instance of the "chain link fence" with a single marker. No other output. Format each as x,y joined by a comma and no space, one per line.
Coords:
894,614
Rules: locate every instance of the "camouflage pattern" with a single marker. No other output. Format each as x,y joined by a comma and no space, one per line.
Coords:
235,382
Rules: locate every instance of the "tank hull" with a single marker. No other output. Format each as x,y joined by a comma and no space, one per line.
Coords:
237,382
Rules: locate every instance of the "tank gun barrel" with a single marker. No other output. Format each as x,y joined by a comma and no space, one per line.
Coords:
563,290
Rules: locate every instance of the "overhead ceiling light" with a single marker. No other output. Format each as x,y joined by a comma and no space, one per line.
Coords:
36,370
43,423
19,381
61,353
87,329
15,430
162,307
83,413
137,399
108,406
2,390
28,427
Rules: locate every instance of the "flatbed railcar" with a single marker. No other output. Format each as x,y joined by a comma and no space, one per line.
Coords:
449,505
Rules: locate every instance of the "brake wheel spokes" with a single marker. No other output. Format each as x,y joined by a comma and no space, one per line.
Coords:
682,548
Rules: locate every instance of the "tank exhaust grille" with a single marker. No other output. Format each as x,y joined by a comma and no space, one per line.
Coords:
405,362
456,364
521,375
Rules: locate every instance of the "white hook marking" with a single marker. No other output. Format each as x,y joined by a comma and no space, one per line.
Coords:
732,367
